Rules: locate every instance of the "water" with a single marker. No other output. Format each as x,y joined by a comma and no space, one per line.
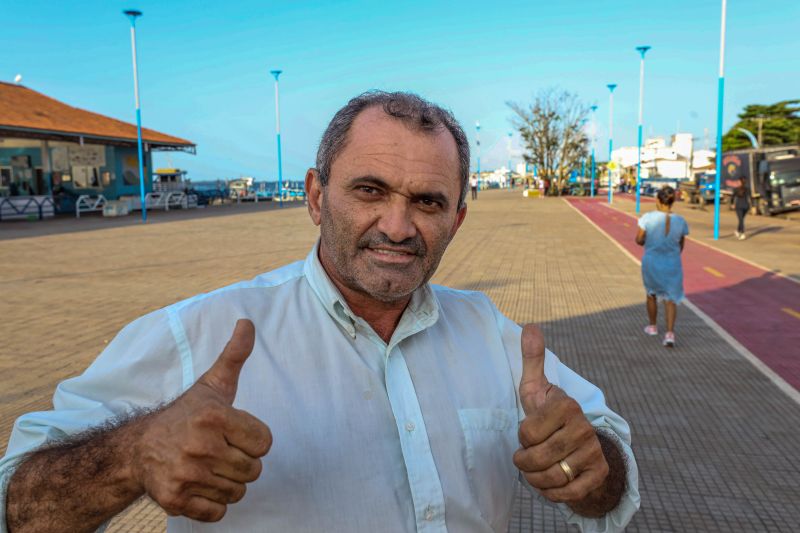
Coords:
265,186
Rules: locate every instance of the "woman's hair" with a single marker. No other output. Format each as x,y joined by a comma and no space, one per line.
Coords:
741,189
666,195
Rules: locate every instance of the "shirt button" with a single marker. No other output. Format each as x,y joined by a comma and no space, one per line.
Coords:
429,514
410,426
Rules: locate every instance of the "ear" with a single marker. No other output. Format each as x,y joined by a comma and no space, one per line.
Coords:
460,216
314,195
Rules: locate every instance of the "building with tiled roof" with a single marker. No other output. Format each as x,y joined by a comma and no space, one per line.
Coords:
47,147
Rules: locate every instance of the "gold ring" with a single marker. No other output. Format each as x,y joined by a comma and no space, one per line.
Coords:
567,470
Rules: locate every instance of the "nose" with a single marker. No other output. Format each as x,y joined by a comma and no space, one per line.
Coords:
395,221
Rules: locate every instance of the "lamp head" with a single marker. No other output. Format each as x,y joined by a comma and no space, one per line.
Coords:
478,125
593,108
275,73
643,50
611,86
132,14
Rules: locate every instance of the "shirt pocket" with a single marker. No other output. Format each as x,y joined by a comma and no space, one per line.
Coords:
490,437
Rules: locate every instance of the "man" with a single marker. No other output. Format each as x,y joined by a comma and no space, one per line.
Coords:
394,405
473,186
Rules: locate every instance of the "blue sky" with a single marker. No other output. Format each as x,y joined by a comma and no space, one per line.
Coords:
204,66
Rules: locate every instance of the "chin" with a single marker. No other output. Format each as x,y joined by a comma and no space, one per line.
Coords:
387,292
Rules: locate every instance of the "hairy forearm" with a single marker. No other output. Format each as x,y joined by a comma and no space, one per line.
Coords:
76,484
607,497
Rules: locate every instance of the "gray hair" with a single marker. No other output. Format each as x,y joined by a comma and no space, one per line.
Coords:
413,110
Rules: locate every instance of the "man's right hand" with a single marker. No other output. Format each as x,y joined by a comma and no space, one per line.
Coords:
195,456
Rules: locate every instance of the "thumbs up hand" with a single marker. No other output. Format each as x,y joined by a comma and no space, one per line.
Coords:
560,455
195,456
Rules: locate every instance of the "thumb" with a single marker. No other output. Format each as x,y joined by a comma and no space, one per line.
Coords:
533,386
223,376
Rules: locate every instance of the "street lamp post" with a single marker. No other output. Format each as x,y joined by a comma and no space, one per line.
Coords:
277,73
642,50
132,15
594,136
720,98
611,87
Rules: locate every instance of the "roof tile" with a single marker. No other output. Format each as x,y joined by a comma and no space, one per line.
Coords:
21,107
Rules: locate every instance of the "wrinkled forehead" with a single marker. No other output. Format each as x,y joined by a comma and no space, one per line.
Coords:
374,131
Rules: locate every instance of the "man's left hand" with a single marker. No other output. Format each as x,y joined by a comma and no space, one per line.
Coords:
561,455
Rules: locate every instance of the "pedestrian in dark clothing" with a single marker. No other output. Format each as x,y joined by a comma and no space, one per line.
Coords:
741,202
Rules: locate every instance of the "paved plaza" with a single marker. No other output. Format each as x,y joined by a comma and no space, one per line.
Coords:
716,440
758,307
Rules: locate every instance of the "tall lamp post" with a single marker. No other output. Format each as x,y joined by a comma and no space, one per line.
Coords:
642,50
611,87
277,73
594,138
132,15
720,98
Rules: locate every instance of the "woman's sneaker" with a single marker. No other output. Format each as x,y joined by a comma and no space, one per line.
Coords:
669,339
651,330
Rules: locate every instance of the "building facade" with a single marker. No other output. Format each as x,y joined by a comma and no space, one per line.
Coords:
48,148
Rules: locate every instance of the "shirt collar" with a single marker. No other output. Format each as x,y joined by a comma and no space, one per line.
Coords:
421,313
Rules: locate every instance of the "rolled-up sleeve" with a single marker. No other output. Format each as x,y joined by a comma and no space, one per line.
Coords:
141,368
593,403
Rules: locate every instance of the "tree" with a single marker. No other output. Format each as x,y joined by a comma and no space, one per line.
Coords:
774,125
552,130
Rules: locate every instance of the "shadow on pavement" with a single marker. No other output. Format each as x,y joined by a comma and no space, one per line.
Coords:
765,229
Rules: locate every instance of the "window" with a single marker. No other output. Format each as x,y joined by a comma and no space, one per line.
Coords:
85,177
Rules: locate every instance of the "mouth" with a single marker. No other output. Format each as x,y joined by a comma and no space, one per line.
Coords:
391,255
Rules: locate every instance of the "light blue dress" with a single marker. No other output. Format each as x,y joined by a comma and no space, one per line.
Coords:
662,272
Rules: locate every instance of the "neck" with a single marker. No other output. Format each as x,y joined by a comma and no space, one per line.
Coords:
665,208
383,317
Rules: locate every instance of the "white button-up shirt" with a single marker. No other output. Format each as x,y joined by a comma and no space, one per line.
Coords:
414,435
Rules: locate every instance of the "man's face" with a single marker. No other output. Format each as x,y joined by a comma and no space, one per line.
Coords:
390,207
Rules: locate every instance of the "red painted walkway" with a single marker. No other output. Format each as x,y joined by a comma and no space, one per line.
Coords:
757,308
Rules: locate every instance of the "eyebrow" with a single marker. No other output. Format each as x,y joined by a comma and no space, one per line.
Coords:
369,180
379,182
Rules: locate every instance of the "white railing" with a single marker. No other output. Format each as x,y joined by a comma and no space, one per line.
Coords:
87,203
163,200
16,207
170,200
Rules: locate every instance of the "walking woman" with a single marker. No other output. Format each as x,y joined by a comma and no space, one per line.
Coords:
741,201
662,234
